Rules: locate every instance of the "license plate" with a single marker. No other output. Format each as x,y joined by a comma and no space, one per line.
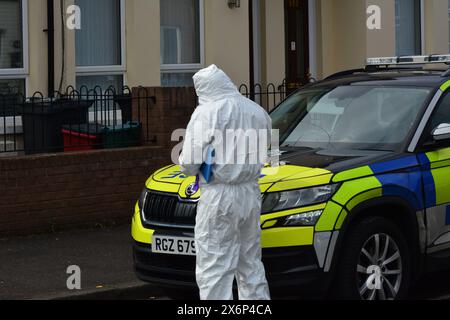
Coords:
173,245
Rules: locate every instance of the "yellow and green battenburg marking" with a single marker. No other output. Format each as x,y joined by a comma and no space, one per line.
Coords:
445,86
439,170
437,176
295,178
138,232
358,185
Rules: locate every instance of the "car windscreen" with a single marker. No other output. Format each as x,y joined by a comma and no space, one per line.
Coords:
349,117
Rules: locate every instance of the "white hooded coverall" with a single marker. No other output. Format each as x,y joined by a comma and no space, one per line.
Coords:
227,232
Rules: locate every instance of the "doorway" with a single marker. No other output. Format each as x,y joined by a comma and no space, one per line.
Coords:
297,44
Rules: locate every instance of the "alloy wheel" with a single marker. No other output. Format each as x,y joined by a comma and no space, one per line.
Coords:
379,269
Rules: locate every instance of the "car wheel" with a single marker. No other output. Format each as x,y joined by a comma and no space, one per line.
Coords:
375,262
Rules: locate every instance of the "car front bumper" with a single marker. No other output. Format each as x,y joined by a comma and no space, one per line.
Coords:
289,270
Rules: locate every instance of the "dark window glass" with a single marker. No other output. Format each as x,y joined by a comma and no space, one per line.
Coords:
442,113
408,27
11,42
98,43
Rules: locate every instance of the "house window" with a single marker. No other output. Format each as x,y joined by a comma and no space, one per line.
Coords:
182,34
408,26
100,50
13,46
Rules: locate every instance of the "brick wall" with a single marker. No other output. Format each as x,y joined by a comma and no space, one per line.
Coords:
53,192
170,109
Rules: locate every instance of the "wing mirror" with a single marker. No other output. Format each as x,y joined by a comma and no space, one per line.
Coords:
442,132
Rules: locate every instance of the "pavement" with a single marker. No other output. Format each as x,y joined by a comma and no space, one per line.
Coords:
35,267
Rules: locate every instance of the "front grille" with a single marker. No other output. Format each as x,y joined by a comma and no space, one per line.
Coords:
162,209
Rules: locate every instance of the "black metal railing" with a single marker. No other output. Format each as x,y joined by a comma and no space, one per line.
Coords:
90,118
75,120
268,96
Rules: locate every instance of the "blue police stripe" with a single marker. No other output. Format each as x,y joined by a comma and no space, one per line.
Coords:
398,164
406,184
447,220
428,180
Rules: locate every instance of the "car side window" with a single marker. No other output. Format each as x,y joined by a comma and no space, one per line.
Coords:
441,114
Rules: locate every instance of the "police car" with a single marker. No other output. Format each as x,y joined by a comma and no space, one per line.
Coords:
361,202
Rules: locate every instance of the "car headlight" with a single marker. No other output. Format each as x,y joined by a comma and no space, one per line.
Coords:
280,201
142,199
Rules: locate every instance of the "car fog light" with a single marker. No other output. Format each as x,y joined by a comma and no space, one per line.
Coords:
303,219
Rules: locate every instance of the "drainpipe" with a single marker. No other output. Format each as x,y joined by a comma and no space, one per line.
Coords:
51,47
251,49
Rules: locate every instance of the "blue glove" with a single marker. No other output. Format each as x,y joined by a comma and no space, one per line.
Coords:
207,166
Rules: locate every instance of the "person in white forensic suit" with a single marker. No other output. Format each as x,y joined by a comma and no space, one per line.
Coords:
227,231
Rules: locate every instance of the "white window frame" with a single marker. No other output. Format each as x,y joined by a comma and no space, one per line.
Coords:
191,67
20,73
113,70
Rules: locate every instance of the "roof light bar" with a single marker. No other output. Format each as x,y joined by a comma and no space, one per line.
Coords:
408,60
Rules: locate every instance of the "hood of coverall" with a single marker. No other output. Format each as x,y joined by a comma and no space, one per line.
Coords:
212,84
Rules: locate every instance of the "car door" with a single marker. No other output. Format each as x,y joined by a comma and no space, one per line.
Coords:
435,162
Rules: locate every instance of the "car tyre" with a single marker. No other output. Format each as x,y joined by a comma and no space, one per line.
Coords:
363,273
